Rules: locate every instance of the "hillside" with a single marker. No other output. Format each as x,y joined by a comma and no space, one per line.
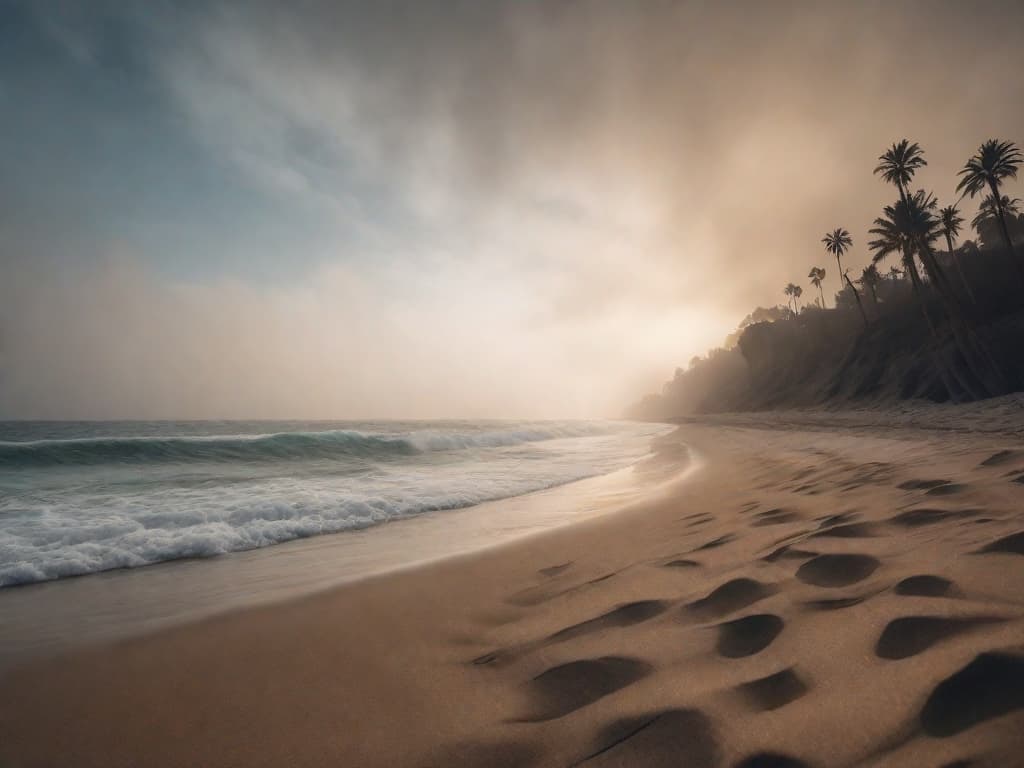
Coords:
826,357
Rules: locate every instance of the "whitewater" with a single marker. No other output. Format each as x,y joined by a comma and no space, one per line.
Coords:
83,497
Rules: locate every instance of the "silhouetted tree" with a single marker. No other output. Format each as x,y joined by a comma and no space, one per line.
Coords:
838,242
993,162
898,164
950,222
869,279
790,290
917,213
989,210
817,276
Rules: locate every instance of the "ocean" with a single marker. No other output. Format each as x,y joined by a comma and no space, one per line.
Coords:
83,497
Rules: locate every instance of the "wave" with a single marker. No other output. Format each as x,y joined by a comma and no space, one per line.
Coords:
75,545
287,446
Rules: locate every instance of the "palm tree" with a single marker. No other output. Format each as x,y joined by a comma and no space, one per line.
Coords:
898,164
891,238
950,222
838,242
993,162
817,276
797,293
911,225
869,278
790,290
917,213
989,209
893,235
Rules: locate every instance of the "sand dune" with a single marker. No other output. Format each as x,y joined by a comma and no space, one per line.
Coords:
810,597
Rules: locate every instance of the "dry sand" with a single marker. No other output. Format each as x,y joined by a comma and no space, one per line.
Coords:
809,597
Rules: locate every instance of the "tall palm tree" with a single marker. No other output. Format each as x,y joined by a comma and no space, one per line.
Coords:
898,164
797,293
994,162
817,276
838,242
950,222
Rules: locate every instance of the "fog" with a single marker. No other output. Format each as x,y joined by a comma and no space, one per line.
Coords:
531,210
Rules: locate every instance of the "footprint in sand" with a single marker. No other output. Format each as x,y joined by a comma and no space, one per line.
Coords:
748,635
1012,544
773,691
837,570
924,585
911,635
999,458
665,739
990,686
729,597
568,687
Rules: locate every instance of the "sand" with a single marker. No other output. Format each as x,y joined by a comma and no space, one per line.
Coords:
811,595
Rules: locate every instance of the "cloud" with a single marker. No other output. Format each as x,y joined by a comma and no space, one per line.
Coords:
536,208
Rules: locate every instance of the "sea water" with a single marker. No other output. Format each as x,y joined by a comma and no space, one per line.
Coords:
82,497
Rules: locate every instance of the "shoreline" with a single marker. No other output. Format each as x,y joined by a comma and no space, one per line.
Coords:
611,641
57,616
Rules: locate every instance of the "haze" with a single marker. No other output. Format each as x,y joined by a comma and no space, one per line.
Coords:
422,209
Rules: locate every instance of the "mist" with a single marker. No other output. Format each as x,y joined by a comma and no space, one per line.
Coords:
461,210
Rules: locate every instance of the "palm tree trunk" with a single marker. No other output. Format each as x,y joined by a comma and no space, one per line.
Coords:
1002,221
939,278
822,294
856,295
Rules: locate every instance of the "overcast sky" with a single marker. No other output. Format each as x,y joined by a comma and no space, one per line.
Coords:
424,209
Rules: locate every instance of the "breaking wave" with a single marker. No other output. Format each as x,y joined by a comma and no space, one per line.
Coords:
277,447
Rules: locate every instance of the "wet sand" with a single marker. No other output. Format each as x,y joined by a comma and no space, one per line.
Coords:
811,596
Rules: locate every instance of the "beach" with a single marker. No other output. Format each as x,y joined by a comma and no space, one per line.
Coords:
818,589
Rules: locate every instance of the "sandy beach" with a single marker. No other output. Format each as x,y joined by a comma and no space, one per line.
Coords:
823,590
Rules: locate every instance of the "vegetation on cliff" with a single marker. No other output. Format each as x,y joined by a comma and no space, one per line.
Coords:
946,324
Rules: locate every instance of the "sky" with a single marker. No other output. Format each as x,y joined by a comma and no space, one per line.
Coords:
445,209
